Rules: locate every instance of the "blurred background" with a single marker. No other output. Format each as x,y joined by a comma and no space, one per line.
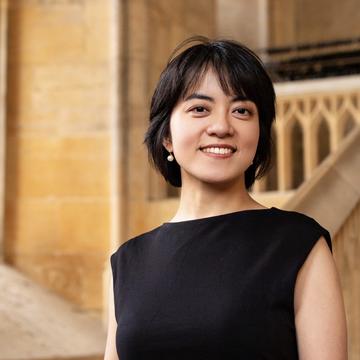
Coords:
76,77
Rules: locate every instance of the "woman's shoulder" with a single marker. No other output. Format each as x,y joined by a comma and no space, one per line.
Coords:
293,217
137,240
302,226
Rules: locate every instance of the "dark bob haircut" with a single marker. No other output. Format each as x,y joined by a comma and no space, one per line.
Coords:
240,72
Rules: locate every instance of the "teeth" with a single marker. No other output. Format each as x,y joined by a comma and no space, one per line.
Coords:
216,150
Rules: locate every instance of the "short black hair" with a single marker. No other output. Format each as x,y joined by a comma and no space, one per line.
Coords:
239,70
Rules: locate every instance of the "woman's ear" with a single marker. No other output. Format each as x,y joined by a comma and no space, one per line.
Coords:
167,144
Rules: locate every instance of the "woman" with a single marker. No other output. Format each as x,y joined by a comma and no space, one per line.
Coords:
226,277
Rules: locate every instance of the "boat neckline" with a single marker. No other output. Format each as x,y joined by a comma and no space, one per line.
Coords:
239,212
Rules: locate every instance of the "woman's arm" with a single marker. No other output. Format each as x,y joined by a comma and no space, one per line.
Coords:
319,307
110,350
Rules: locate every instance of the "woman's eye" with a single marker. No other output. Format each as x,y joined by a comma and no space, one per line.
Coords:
198,109
242,111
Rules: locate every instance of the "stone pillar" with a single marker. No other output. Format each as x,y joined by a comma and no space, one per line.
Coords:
3,54
117,20
60,128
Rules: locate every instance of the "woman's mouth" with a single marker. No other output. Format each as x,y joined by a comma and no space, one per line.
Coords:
218,152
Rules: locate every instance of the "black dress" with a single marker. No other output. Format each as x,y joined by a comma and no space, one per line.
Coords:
220,287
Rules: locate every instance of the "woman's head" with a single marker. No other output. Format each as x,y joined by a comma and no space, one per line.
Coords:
239,73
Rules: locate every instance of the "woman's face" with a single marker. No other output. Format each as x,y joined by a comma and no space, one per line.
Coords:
214,136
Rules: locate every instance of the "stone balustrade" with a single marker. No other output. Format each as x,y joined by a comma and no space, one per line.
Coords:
312,118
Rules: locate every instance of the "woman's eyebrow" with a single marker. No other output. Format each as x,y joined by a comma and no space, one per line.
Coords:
209,98
199,96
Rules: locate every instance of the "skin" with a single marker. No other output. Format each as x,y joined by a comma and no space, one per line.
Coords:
110,348
213,186
320,318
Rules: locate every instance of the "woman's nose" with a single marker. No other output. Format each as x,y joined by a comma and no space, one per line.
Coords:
220,126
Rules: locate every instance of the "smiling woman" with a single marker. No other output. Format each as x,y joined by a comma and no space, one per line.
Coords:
216,125
226,69
226,277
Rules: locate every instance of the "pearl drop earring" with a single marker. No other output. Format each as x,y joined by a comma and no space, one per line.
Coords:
170,157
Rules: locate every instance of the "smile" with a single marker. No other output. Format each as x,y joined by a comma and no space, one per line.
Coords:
217,152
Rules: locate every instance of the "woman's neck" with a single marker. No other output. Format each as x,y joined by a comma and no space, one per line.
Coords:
198,200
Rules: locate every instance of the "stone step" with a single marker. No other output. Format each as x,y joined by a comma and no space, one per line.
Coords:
37,324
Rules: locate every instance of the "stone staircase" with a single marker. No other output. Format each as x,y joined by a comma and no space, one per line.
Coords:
37,324
333,190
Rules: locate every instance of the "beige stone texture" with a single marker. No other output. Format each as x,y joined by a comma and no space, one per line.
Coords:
57,166
83,224
244,21
335,181
75,277
346,247
3,81
57,214
31,227
282,22
307,21
37,324
324,20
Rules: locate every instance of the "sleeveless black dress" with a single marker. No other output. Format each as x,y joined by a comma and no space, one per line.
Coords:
220,287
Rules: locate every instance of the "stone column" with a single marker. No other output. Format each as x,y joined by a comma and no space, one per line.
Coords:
3,53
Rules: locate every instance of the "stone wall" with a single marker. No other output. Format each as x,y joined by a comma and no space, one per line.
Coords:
57,162
242,20
304,21
262,23
324,20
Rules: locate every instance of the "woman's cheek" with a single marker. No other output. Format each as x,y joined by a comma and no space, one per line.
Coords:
252,133
184,135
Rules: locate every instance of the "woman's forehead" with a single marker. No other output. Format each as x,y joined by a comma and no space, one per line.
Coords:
206,78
